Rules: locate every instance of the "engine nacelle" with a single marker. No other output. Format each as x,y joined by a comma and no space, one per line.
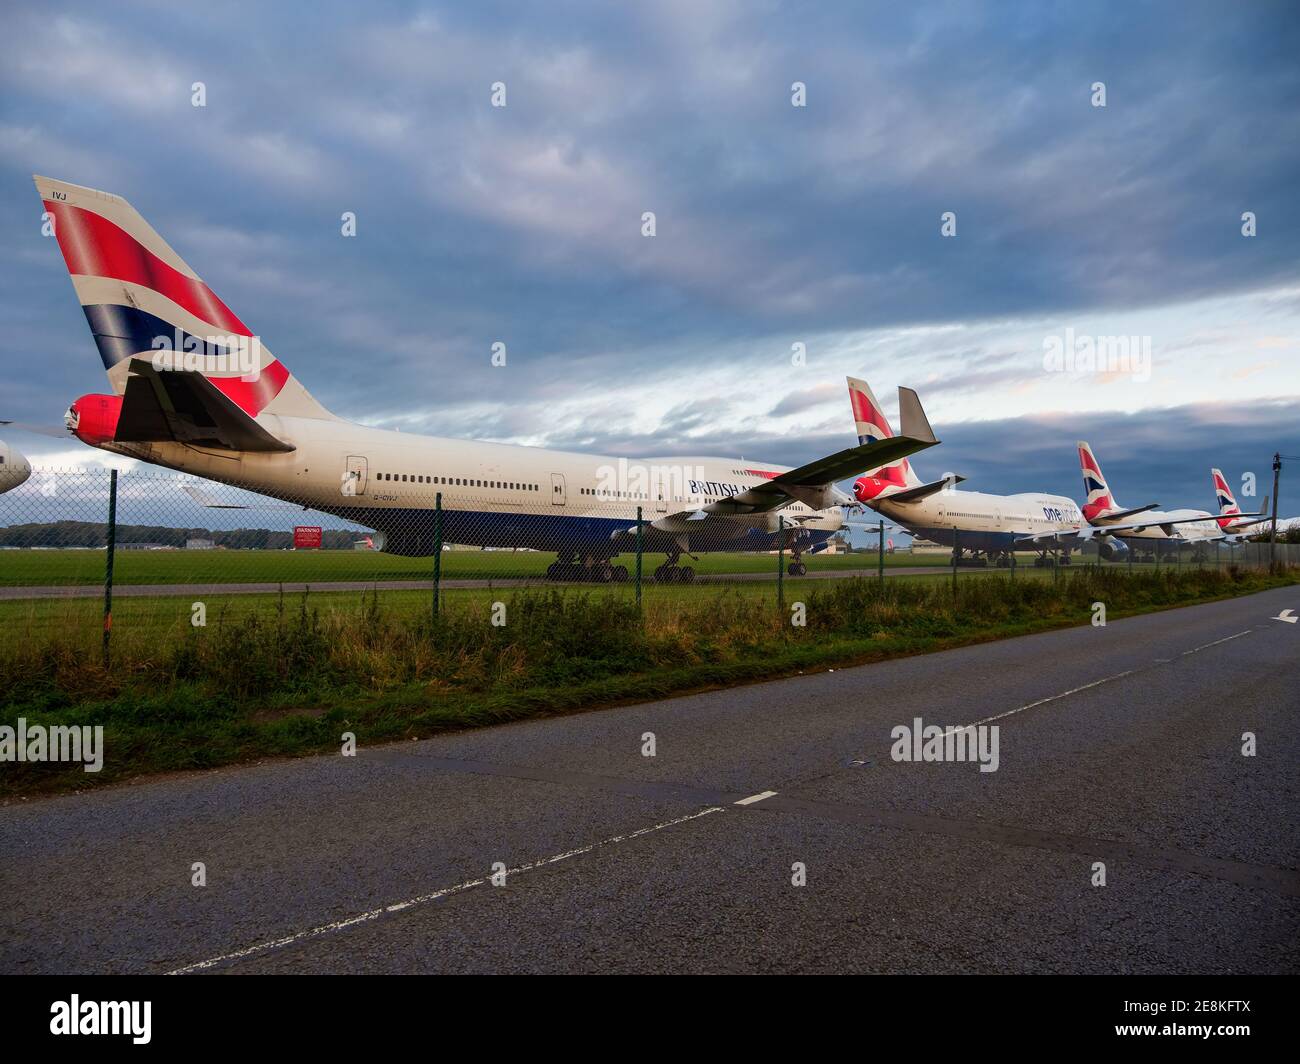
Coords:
1111,549
412,545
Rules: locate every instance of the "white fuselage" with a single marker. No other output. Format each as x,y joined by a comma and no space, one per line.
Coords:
492,494
975,520
14,467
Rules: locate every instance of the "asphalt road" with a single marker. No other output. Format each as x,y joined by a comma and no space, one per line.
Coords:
1119,745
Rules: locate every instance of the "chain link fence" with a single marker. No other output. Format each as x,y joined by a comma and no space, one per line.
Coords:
177,548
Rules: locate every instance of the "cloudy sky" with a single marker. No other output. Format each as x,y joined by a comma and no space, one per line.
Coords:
775,225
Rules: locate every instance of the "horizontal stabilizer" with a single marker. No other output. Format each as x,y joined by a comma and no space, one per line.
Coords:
1119,515
184,406
924,491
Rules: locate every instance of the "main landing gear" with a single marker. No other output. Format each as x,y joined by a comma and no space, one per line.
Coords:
588,569
1044,559
796,566
672,573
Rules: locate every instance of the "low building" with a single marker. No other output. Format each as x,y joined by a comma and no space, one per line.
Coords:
928,546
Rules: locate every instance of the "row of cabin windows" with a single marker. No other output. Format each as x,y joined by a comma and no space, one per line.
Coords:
615,494
466,482
676,498
460,482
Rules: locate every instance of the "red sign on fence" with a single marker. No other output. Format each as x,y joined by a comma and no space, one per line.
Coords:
306,537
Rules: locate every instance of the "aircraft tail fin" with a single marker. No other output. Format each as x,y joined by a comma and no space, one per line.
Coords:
1099,502
141,299
1227,501
872,425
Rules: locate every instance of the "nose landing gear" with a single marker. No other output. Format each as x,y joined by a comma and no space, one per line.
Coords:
590,569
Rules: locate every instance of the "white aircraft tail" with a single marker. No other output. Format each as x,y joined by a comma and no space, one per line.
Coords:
142,301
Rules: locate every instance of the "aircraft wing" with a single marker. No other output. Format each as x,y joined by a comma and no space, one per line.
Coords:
814,483
186,407
1258,517
1033,539
211,502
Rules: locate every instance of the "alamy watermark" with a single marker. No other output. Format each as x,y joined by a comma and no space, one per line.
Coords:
929,742
209,354
1084,353
58,743
635,480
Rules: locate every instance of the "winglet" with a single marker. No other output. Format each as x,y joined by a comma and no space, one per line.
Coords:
912,417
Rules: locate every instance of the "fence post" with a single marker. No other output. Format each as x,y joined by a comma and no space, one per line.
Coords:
638,557
956,553
882,553
780,567
108,560
437,555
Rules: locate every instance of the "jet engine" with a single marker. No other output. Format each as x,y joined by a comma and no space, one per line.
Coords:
1112,550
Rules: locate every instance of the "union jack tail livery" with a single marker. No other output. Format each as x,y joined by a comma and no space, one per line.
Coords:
872,425
1228,507
1099,502
147,309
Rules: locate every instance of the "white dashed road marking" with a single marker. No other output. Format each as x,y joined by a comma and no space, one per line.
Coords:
1087,686
396,907
1225,639
756,798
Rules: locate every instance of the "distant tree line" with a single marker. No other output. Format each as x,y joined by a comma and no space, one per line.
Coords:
95,534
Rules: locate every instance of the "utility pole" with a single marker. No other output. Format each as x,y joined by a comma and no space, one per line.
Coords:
1272,539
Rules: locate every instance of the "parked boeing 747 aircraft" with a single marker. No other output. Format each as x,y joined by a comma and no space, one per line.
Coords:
1156,526
193,389
971,522
1232,520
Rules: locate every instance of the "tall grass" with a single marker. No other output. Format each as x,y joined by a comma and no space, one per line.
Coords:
255,681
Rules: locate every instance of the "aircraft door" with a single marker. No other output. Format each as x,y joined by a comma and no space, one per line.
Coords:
354,476
557,489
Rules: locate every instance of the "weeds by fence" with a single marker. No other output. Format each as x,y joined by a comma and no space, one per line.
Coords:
290,674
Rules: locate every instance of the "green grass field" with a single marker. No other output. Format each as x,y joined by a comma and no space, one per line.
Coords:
141,621
40,568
